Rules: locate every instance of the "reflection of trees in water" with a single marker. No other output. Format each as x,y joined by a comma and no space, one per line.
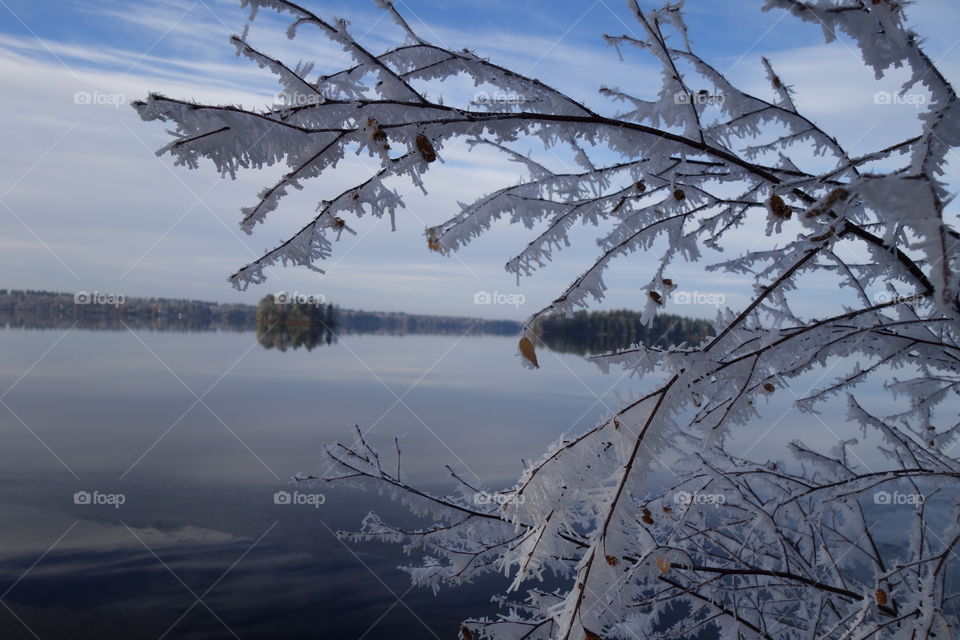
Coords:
588,333
285,336
285,326
295,325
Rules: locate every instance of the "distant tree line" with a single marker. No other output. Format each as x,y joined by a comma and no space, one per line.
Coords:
604,331
403,323
32,309
283,326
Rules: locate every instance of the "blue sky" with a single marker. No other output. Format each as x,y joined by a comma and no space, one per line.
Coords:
85,205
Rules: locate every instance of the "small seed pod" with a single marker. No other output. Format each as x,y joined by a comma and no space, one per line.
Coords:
612,561
647,518
640,186
881,597
427,152
379,135
779,208
679,195
656,297
769,388
433,244
668,282
838,194
465,634
339,223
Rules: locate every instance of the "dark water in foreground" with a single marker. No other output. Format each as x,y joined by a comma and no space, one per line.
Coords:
199,549
197,432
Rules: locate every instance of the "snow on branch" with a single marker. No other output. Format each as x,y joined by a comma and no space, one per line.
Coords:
788,549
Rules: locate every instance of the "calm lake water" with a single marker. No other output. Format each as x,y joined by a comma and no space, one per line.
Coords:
197,431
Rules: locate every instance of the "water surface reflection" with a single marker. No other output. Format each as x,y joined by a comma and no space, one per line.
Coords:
199,430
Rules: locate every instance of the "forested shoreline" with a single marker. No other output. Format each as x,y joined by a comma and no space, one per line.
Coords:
294,324
593,332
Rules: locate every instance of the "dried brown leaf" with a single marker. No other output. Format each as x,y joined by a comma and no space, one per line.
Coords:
664,565
528,352
424,146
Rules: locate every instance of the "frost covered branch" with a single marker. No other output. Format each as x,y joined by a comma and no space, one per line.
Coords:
785,549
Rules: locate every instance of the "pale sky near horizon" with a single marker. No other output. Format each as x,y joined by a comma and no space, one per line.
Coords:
86,205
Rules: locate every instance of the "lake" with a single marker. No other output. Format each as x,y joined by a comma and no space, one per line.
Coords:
139,472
